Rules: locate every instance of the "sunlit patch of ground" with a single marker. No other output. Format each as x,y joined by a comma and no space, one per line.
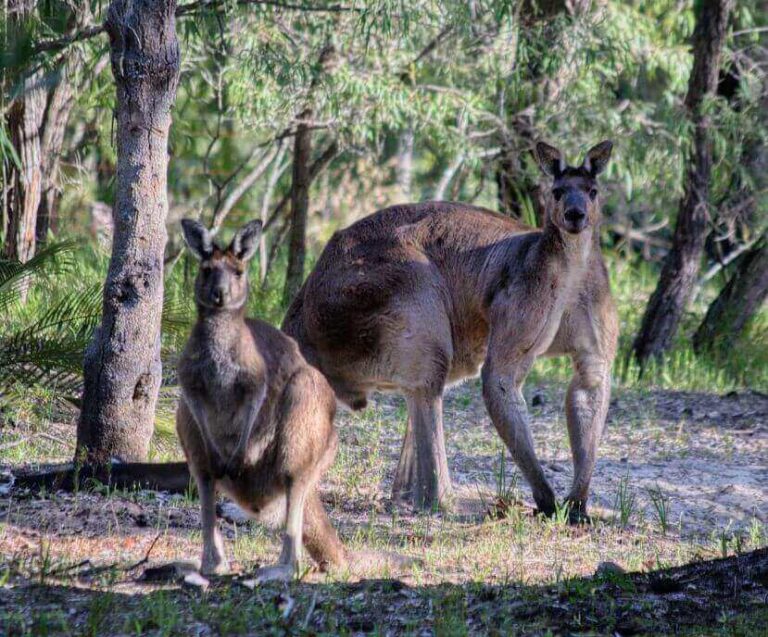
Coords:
681,477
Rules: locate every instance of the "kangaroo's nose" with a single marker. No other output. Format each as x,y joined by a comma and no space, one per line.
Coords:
574,215
217,297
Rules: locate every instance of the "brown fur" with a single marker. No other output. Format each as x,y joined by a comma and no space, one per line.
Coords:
255,420
417,296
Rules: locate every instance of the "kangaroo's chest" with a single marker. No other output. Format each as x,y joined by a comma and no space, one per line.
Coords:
223,381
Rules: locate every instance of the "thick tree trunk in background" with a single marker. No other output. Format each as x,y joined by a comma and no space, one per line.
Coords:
737,303
681,266
297,247
122,363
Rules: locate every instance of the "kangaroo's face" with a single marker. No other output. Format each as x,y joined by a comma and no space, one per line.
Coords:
574,205
222,281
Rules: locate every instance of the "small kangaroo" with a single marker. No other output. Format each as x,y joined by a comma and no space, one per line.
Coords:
418,296
254,419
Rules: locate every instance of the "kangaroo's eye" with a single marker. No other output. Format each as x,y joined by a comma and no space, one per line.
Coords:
558,193
593,194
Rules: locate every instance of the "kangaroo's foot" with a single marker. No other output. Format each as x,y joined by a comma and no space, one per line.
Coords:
577,511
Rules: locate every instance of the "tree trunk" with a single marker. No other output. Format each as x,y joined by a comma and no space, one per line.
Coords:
122,363
297,247
60,102
25,121
404,166
737,303
681,266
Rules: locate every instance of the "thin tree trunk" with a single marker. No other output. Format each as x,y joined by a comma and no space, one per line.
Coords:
25,121
404,167
278,167
297,247
60,102
122,364
681,266
737,303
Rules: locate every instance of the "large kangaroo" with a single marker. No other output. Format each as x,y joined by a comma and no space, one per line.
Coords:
254,418
417,296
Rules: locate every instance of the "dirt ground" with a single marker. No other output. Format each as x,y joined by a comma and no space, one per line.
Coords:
681,477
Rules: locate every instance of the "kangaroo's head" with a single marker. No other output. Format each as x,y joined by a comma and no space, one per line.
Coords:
574,206
222,281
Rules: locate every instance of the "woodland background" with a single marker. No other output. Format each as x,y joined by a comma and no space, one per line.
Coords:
310,115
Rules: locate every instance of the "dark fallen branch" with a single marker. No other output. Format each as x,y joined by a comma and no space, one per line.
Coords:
171,476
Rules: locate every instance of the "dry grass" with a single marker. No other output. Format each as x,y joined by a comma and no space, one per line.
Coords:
681,478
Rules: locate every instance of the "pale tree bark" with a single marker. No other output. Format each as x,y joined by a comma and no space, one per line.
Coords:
737,303
681,266
404,166
60,101
37,119
25,121
122,364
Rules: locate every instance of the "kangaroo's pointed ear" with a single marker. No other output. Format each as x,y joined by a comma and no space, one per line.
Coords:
597,157
246,240
550,159
198,239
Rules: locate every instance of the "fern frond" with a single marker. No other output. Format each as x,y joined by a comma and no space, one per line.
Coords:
14,275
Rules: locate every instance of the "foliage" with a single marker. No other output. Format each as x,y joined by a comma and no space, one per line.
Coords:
464,79
43,342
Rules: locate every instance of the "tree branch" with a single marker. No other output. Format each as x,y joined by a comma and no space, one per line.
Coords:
54,44
314,171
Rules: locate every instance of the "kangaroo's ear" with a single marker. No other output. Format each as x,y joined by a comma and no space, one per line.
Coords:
597,157
245,242
550,159
198,239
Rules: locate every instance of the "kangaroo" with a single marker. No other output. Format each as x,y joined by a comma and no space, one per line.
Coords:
255,420
414,297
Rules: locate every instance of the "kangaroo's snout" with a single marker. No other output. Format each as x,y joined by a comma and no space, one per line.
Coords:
575,219
217,297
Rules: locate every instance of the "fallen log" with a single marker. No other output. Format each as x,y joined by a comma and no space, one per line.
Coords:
173,477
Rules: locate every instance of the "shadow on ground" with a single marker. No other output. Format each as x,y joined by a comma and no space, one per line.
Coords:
717,597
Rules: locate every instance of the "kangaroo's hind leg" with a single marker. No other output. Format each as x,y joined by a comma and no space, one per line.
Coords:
320,538
422,473
290,556
306,446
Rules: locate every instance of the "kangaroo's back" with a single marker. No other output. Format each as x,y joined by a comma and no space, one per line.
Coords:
386,260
